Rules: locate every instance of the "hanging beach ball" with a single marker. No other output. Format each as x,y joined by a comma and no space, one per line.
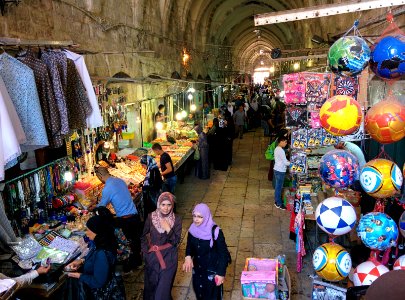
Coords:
385,121
348,56
381,178
367,272
388,57
340,115
332,262
339,168
399,263
335,216
401,224
377,231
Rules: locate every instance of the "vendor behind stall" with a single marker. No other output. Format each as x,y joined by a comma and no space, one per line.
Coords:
167,168
160,115
116,192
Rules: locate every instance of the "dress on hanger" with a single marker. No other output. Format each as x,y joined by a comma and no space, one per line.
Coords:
20,83
47,99
94,120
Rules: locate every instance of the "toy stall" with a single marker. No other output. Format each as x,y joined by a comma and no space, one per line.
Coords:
344,200
333,186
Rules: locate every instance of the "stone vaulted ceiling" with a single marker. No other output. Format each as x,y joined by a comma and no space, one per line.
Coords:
230,22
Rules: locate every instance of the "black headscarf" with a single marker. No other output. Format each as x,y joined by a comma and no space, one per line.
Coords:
104,230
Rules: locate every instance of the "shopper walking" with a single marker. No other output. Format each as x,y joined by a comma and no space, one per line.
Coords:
207,255
161,235
203,165
167,168
152,184
239,118
116,192
280,166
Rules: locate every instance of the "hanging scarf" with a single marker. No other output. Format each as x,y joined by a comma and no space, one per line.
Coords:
157,216
151,164
204,231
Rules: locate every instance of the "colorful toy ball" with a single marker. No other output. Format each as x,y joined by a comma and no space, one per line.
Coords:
388,57
348,56
367,272
400,263
335,216
377,231
339,168
341,115
381,178
385,121
401,224
332,262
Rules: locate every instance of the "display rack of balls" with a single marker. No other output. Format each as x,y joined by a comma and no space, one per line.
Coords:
335,216
377,231
349,55
399,263
385,121
367,272
332,262
381,178
388,57
339,168
341,115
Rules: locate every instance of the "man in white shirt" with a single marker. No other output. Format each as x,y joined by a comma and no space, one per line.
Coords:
280,166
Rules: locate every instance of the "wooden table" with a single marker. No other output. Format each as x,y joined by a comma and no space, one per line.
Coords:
40,291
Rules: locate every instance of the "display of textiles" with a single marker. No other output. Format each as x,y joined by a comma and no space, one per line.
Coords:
314,137
298,163
296,116
294,89
317,87
329,139
348,86
299,139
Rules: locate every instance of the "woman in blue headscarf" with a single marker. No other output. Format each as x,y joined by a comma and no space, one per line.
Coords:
152,185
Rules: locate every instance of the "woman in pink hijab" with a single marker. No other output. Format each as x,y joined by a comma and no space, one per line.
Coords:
207,255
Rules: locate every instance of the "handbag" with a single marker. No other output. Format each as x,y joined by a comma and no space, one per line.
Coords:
196,154
113,290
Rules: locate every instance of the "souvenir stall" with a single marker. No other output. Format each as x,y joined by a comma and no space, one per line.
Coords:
333,109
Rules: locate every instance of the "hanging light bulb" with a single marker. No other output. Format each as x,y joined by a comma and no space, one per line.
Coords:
272,69
68,176
183,114
296,66
190,96
193,107
191,90
179,116
159,125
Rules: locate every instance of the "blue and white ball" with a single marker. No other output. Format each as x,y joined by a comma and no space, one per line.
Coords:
370,179
377,231
335,216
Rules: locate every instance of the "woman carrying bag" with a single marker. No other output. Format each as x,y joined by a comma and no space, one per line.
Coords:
152,185
161,235
207,255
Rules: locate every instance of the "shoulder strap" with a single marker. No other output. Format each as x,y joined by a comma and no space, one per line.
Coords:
213,232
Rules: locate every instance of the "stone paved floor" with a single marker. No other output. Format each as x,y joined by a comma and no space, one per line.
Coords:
241,201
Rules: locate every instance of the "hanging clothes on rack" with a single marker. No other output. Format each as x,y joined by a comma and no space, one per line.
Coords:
46,95
51,62
20,83
94,120
78,104
11,132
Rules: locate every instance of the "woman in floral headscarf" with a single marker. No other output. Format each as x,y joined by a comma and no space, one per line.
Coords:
206,255
159,241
